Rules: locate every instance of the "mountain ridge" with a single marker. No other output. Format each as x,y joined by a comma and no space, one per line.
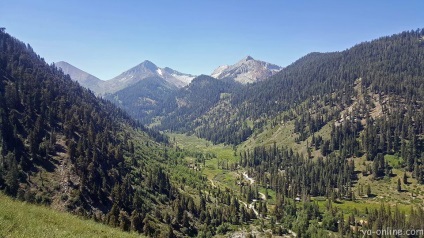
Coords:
85,79
141,71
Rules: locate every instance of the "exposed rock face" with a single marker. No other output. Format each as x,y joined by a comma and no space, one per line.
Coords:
247,70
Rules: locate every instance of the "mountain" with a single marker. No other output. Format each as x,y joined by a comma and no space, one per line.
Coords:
319,80
247,70
141,98
185,105
60,145
185,78
85,79
145,70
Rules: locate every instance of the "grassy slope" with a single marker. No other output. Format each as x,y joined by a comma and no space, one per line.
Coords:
385,189
19,219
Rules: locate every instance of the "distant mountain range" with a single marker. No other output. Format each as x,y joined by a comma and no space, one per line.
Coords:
146,88
128,78
247,70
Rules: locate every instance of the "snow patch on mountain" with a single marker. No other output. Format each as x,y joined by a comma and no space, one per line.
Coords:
145,70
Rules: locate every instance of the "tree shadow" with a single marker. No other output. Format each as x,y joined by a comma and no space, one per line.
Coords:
46,163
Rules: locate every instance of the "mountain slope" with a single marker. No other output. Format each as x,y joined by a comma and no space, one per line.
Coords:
85,79
64,147
145,70
56,133
182,108
143,97
247,70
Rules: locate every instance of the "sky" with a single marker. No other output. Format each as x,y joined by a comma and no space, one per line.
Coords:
105,38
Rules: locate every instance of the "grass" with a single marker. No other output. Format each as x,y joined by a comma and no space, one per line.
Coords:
393,160
271,199
348,207
224,154
283,135
20,219
385,189
195,143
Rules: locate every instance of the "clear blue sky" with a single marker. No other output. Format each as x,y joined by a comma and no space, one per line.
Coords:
106,38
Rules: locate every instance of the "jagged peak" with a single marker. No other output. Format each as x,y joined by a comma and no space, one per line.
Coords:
247,58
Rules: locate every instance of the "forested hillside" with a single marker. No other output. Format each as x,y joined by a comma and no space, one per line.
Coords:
370,96
143,98
61,145
317,88
184,110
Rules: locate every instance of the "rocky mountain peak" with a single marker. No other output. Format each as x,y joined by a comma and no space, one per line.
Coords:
247,70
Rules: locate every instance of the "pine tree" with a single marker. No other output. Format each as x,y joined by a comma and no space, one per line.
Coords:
369,190
136,221
124,221
12,176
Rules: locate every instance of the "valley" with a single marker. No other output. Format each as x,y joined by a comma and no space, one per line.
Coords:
328,146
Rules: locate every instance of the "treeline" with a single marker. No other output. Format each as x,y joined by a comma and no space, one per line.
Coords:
193,101
389,65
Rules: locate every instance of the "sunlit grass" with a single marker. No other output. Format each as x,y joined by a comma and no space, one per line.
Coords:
20,219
